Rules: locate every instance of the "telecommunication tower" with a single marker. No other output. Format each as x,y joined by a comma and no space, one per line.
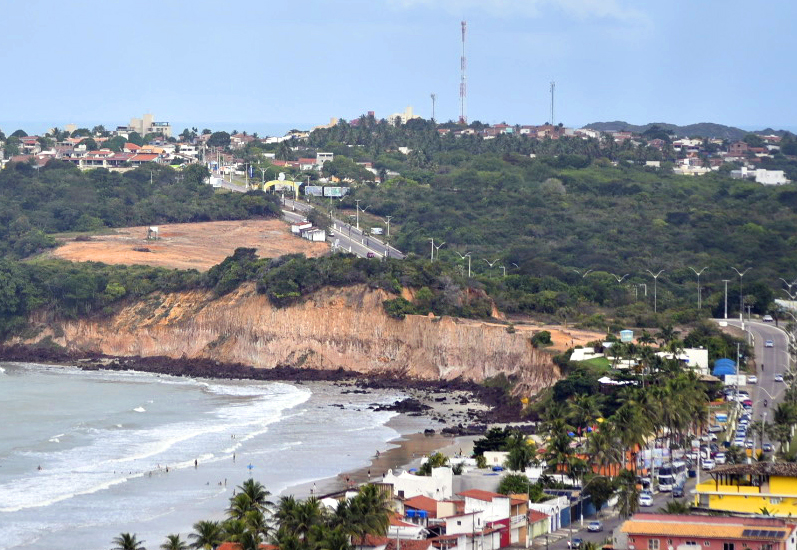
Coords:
463,87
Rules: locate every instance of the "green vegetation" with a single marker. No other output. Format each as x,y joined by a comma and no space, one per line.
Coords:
290,523
59,197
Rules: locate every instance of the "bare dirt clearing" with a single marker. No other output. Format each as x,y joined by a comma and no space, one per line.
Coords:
189,245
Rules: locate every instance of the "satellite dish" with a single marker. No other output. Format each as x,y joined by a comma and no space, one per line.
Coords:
281,176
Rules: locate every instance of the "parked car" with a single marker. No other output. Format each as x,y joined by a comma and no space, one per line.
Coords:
748,402
738,442
577,542
595,527
720,458
371,255
715,428
708,464
677,492
767,448
645,500
752,379
769,344
778,378
767,318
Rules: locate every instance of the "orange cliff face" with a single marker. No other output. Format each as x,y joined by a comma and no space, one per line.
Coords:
333,328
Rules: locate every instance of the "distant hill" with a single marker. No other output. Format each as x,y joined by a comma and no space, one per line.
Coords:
701,129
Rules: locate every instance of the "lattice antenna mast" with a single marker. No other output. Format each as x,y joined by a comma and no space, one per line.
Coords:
463,86
553,89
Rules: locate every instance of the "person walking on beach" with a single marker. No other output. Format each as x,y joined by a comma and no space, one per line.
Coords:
196,464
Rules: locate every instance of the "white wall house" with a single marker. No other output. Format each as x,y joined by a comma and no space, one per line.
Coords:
439,486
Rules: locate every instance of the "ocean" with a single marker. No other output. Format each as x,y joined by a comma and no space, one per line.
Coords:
86,455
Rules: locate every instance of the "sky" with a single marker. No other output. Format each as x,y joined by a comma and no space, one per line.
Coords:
262,64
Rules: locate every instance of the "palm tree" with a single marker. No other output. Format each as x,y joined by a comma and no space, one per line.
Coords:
604,448
234,530
583,410
372,507
298,518
627,494
256,493
128,541
240,505
174,542
207,535
522,452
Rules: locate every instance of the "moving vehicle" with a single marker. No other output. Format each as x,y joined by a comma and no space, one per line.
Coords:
645,500
575,544
595,527
767,448
371,255
671,475
678,492
767,318
769,344
778,378
752,379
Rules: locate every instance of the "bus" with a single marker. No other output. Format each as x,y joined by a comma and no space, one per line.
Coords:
672,475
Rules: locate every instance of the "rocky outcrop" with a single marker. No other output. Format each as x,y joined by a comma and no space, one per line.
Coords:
332,329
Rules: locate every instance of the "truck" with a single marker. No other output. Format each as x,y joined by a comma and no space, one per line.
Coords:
377,231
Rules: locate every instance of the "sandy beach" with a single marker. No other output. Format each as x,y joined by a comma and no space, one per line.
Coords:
407,450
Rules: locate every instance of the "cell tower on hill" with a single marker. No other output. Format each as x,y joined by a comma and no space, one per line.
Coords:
463,86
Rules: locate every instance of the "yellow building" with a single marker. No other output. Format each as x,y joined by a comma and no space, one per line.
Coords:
747,488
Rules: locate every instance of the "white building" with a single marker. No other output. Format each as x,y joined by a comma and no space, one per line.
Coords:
439,486
147,125
696,358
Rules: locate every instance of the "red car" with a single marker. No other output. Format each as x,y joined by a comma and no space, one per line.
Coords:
747,402
371,255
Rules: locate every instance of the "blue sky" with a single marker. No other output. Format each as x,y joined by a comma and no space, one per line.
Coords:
252,63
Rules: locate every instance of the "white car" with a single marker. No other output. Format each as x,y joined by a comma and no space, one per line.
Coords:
708,464
778,378
767,318
720,458
645,500
752,380
769,344
738,442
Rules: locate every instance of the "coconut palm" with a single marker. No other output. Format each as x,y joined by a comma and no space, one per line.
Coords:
372,506
256,493
298,517
583,411
233,530
627,494
174,542
128,541
240,505
207,535
604,448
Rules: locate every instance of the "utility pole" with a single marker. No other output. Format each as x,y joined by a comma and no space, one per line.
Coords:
388,225
358,212
726,281
431,258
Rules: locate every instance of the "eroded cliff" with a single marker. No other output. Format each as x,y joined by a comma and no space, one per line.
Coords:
334,328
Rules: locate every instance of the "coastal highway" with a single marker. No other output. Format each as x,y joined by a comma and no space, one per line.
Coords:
770,361
342,236
345,236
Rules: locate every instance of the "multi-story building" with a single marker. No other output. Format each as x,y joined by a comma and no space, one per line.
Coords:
693,532
147,125
749,488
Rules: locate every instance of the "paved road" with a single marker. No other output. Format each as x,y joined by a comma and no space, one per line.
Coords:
343,236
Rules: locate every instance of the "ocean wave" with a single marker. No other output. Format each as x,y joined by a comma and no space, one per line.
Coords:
140,409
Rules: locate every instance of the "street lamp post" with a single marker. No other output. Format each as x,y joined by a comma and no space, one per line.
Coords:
726,281
504,268
699,304
463,257
741,303
437,247
491,264
655,289
387,218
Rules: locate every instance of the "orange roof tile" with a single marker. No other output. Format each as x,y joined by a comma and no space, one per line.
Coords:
694,527
421,502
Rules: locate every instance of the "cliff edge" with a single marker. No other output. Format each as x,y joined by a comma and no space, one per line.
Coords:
331,329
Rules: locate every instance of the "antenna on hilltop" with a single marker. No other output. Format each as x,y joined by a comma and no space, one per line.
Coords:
434,98
463,87
553,89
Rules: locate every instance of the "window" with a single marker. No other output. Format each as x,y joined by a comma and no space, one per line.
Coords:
691,543
728,546
775,500
653,544
669,542
706,543
459,522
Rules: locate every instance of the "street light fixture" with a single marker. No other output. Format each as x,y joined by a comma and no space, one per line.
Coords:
699,304
619,279
463,257
358,211
655,289
587,272
437,247
741,302
787,283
